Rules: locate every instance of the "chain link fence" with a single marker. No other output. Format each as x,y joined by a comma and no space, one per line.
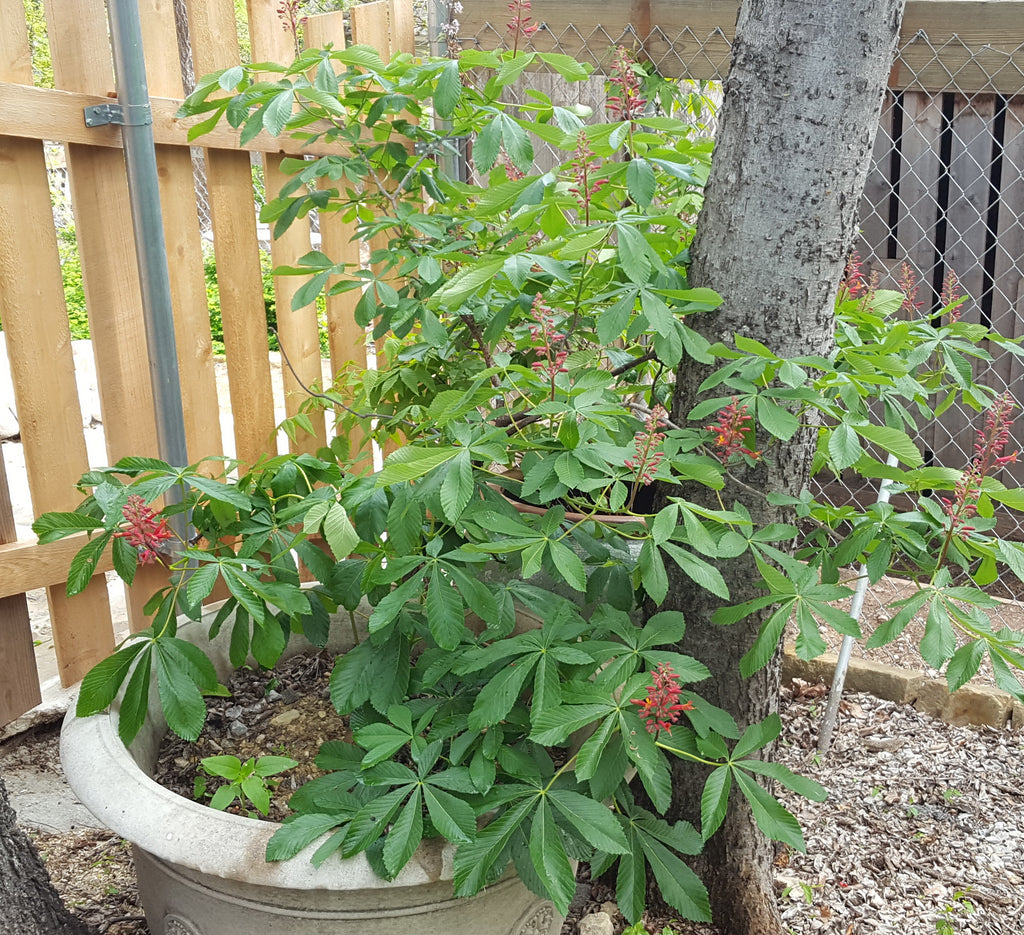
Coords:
945,192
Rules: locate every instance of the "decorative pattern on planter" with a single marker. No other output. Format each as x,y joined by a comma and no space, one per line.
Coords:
176,925
538,923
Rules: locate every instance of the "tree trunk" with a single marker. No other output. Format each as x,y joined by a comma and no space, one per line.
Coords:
29,905
796,131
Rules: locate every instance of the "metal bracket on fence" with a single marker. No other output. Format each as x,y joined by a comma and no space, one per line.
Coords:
131,115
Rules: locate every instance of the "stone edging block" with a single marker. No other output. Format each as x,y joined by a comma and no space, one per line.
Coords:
972,704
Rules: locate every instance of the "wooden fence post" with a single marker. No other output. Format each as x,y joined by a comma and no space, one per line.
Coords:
39,346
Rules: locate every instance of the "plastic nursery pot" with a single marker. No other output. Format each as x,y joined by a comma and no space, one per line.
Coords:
203,872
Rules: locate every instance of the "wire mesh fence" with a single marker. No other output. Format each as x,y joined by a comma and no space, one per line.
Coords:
945,191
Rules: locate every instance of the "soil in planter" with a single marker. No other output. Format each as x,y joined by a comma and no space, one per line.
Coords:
286,711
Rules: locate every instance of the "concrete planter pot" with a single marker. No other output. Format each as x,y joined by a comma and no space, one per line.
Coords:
203,872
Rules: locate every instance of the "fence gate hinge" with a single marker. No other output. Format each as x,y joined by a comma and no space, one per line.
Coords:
132,115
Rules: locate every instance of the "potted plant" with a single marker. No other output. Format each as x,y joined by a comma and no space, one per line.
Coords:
530,325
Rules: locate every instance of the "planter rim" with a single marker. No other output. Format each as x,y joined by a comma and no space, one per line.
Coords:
107,779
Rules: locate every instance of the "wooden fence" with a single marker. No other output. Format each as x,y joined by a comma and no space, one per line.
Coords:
32,307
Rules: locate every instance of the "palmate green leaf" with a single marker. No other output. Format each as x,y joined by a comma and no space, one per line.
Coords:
278,112
297,834
568,564
448,91
888,631
809,642
126,559
135,702
549,859
83,565
650,764
640,181
594,821
590,754
390,606
256,791
631,879
773,820
757,736
767,641
268,641
339,532
516,142
714,800
801,785
201,582
180,697
370,822
844,446
445,613
53,526
497,697
651,567
457,487
405,834
409,463
680,887
450,815
777,420
381,742
681,836
698,570
474,861
1006,678
964,664
894,441
553,727
939,640
471,277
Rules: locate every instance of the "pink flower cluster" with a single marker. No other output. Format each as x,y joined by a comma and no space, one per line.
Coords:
583,165
519,23
552,359
647,459
660,709
143,529
909,286
731,431
627,103
988,456
951,293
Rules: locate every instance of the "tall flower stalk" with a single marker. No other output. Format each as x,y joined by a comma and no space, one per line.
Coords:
988,457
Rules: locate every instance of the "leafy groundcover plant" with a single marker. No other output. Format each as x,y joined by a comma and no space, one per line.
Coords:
530,324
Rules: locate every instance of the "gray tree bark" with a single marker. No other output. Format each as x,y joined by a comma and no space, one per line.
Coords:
796,131
29,905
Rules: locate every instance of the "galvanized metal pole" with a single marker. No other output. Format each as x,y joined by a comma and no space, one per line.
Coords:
835,695
134,114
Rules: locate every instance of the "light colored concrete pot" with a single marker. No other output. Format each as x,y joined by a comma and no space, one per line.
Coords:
203,872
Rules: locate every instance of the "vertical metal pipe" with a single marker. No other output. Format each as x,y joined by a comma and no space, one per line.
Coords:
147,220
835,695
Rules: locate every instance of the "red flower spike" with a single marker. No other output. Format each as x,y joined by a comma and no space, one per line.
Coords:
660,709
909,287
552,360
951,293
582,166
731,432
519,22
992,439
144,529
645,464
626,103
